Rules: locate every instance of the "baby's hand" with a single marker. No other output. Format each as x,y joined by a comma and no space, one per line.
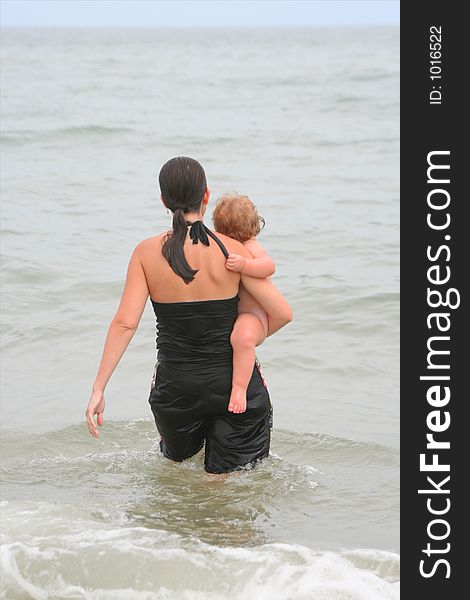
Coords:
235,262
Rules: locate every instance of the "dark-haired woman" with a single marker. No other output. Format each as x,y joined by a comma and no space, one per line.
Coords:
194,297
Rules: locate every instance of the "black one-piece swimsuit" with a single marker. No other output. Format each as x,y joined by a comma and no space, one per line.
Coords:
192,381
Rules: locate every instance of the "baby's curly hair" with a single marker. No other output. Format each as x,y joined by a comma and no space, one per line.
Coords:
236,216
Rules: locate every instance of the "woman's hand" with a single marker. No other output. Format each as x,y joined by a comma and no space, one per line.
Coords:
95,407
235,262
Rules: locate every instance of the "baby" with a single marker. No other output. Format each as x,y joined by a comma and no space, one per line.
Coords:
236,216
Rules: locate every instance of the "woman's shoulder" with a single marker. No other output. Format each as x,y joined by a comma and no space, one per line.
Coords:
149,245
151,241
231,244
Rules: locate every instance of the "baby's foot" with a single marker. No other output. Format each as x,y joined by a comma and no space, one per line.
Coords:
237,403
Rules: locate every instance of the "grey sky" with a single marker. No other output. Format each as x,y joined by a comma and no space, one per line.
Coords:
197,13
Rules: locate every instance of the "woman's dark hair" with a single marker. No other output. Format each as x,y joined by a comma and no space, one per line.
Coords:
182,185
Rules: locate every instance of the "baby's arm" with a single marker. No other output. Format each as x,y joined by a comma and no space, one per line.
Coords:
260,265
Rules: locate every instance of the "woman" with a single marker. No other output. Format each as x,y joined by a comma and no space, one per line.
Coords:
195,298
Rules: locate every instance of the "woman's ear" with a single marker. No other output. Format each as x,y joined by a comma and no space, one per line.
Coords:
206,197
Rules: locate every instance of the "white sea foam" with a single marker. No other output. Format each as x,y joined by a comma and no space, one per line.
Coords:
49,550
134,563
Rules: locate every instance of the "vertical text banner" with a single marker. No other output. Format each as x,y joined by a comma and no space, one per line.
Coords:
435,239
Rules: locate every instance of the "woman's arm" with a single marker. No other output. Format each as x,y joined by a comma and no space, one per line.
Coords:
120,332
125,322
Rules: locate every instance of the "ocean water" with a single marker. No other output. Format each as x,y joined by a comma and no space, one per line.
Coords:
306,122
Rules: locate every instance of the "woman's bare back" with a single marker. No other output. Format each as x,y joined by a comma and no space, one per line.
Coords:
213,280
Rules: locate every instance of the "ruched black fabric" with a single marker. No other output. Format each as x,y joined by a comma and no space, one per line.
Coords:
195,332
192,382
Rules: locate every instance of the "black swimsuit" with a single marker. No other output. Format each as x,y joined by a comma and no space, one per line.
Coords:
192,382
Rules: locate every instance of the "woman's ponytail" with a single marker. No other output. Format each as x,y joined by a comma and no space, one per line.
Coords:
182,185
173,248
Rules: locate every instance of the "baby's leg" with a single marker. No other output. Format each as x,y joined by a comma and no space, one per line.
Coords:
248,332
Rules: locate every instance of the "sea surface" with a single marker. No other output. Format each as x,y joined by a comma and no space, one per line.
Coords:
304,121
